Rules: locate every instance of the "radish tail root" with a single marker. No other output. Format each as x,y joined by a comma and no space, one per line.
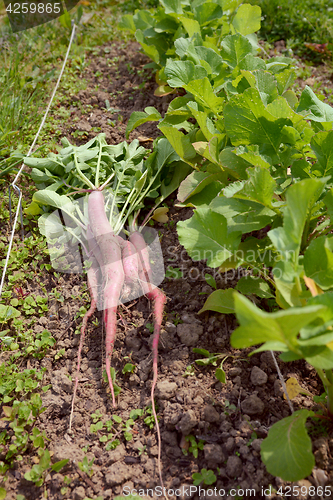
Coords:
92,285
159,301
110,320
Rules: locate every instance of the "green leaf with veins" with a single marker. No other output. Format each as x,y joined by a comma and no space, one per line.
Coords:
140,117
242,215
195,183
285,278
234,48
204,94
259,187
205,236
287,450
236,165
253,285
221,301
248,122
247,19
318,261
313,108
300,200
180,142
257,326
180,73
172,6
322,145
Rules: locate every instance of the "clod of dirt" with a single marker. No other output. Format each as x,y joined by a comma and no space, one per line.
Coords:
189,333
79,493
144,368
63,450
60,382
187,423
170,327
166,390
172,414
258,376
252,405
256,444
234,371
214,455
210,414
118,473
234,466
132,340
190,319
278,389
230,444
116,455
305,485
322,452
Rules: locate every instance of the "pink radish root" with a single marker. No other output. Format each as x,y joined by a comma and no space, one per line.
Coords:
159,300
92,285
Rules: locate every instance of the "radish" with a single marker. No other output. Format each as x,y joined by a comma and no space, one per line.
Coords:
113,273
159,300
124,264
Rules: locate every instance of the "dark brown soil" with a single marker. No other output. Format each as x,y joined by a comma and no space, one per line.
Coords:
231,418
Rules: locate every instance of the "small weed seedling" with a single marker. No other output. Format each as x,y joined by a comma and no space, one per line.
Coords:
112,429
210,281
116,387
86,466
229,408
206,477
38,472
212,359
174,273
189,371
194,446
128,368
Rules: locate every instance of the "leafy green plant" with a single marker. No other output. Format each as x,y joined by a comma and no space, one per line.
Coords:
194,446
205,476
38,472
261,160
86,466
116,388
128,368
212,359
150,420
173,273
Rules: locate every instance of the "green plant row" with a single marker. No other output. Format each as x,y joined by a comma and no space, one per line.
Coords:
262,161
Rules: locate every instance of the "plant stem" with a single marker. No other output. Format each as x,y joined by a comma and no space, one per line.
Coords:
107,181
119,225
81,175
329,390
305,234
98,163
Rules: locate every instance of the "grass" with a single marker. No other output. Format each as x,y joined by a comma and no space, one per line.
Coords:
30,63
297,23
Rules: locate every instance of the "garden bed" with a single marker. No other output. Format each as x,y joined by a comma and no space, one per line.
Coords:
227,420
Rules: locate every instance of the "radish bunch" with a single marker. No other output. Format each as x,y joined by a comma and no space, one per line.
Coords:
105,228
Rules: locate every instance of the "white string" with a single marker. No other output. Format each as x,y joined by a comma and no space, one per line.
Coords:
29,153
282,382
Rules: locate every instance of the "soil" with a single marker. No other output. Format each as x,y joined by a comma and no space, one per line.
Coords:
230,418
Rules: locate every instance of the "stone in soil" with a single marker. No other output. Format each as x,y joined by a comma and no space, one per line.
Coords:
258,376
165,389
252,405
234,466
189,333
187,423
